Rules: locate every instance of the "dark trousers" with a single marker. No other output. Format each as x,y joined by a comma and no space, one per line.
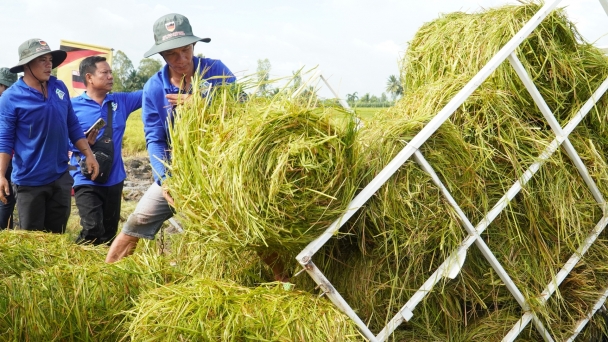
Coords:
45,207
99,209
6,210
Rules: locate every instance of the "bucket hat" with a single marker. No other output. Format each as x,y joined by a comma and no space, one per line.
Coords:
7,77
33,48
172,31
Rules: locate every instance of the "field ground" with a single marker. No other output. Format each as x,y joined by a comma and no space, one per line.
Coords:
367,113
134,142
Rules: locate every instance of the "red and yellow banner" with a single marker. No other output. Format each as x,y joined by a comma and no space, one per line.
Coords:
68,70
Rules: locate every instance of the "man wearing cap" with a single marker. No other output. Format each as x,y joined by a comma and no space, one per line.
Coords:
36,120
99,204
174,41
7,78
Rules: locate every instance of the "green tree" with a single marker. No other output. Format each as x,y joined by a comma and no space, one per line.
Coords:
133,82
263,73
394,87
122,69
146,69
366,98
352,98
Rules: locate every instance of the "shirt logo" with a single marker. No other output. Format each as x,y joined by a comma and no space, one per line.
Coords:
170,26
59,93
205,88
114,106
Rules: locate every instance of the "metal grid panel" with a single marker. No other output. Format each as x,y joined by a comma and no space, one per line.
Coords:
452,265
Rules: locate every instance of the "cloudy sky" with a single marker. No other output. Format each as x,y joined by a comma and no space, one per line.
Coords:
355,43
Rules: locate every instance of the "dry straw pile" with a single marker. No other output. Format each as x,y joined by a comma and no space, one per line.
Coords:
209,310
407,229
53,290
270,174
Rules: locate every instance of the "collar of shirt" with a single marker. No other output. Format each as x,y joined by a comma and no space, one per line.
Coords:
109,97
168,86
50,84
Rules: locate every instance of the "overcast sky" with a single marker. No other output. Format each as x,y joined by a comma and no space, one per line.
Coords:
356,43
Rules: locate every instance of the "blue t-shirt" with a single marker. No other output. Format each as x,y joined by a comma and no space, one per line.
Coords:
88,111
156,111
37,130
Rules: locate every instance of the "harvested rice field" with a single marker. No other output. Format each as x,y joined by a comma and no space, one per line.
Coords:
267,175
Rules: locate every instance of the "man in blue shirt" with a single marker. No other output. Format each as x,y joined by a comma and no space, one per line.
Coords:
7,79
174,41
99,204
36,120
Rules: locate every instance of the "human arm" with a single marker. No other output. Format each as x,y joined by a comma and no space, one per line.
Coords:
217,73
214,73
7,131
92,166
5,159
81,142
168,197
133,101
92,136
154,117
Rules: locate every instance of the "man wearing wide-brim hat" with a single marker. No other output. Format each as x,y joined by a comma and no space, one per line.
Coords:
174,41
7,78
37,119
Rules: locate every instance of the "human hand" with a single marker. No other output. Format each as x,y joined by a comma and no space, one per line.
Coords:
92,167
178,99
168,197
92,136
4,189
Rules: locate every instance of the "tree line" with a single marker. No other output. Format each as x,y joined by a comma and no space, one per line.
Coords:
127,78
394,88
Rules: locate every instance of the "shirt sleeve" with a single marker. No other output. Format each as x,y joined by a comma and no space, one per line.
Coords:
155,131
74,128
133,101
218,73
8,119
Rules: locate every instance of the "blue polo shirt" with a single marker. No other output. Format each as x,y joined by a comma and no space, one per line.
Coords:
157,112
88,111
37,129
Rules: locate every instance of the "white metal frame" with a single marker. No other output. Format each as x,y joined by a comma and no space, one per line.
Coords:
452,265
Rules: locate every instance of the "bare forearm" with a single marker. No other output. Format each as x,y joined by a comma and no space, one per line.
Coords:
83,146
5,159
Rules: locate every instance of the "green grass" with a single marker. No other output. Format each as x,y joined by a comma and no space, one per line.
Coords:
367,113
134,141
